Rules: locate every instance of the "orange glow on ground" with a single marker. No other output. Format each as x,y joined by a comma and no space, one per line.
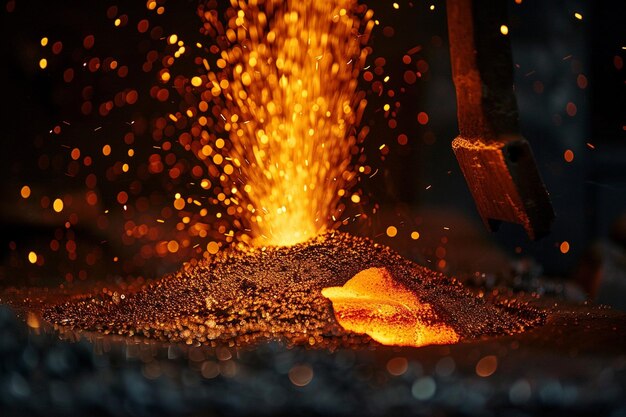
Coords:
373,303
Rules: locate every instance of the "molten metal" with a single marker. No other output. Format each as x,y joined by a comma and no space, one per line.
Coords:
373,303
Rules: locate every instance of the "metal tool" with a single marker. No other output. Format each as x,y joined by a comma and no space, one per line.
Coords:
497,162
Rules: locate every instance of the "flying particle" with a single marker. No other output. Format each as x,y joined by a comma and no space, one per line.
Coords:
32,257
25,191
57,205
486,366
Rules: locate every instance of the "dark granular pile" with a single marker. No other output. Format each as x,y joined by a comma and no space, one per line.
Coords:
244,296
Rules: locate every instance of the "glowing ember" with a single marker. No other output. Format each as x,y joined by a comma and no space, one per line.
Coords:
285,94
373,303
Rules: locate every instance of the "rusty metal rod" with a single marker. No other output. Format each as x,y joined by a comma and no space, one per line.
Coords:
497,162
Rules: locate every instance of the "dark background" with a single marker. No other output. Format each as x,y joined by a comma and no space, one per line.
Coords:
419,185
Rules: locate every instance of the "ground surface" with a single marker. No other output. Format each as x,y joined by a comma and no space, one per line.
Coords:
274,293
572,363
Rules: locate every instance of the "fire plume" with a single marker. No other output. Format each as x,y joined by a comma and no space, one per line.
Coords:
286,89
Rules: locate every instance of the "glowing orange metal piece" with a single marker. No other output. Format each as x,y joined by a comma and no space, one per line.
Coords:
372,302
